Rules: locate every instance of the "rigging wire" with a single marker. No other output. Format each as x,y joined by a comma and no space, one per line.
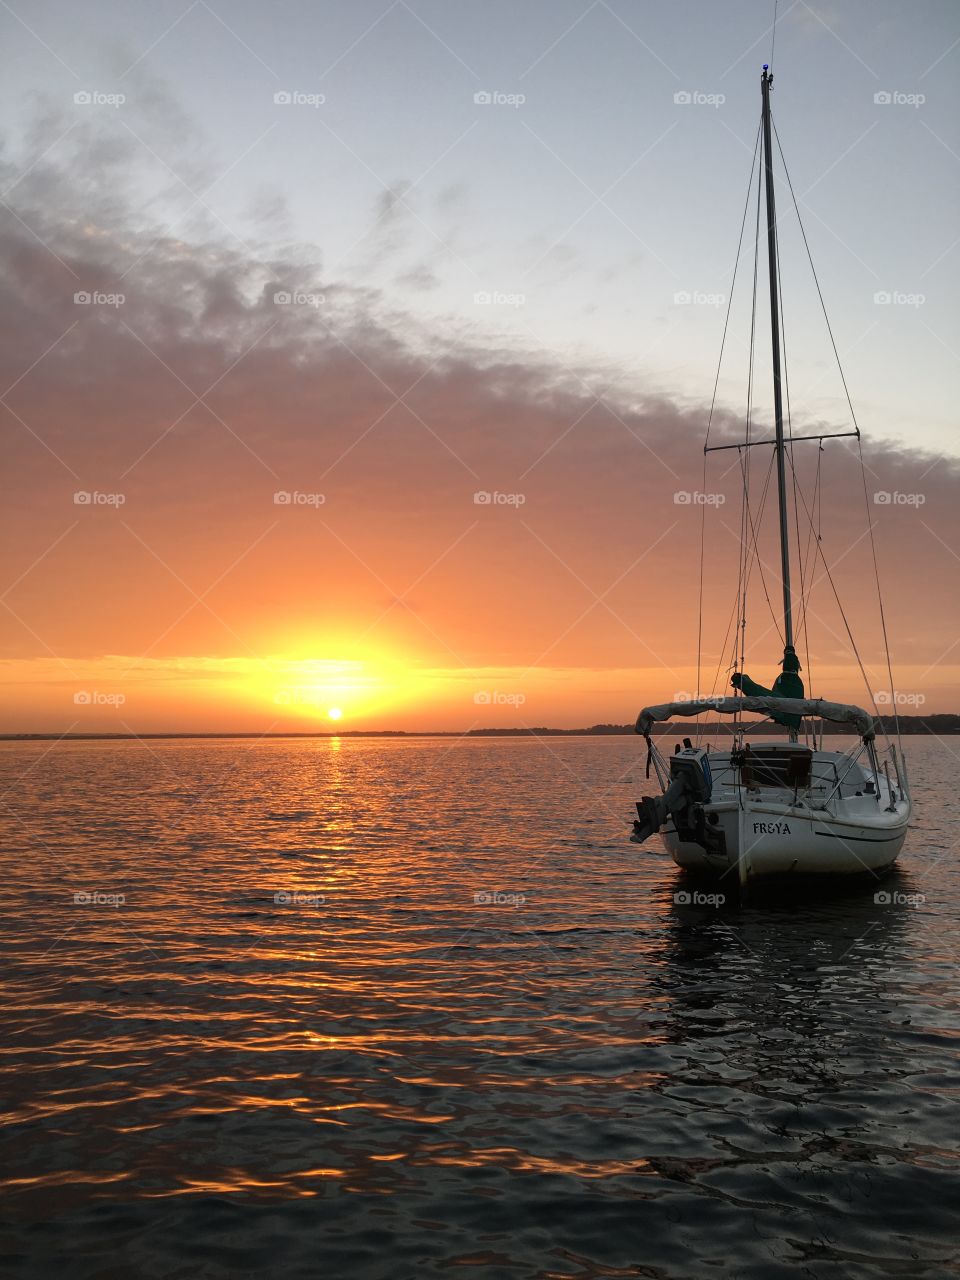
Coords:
876,574
734,612
816,503
816,281
753,553
726,322
723,650
744,557
836,596
863,475
713,402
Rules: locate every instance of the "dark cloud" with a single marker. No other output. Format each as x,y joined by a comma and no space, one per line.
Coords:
205,392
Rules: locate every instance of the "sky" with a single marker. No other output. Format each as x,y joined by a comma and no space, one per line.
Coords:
358,358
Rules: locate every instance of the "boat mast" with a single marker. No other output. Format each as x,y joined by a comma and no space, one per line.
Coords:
766,84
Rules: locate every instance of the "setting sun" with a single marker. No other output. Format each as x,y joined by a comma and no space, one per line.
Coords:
334,713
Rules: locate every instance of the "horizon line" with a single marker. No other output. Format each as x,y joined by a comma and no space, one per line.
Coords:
591,731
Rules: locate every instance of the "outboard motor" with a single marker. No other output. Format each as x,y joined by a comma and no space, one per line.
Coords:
691,785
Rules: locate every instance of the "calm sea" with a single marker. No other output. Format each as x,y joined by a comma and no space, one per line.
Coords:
418,1008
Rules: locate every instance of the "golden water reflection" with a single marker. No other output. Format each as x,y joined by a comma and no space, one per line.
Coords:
386,969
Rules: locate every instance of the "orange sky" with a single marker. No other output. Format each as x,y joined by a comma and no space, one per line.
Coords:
183,596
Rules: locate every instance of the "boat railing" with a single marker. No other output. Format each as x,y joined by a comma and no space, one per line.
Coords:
827,778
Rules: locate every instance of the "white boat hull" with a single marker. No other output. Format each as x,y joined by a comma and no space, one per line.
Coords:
775,840
847,830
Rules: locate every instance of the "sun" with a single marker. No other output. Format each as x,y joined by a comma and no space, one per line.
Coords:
335,713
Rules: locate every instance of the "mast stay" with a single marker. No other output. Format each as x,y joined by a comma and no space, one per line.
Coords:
766,83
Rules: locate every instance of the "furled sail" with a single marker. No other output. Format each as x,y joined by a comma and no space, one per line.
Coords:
840,712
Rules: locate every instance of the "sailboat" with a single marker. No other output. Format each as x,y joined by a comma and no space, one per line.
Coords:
762,808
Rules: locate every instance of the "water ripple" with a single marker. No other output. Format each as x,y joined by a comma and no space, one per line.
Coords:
409,1008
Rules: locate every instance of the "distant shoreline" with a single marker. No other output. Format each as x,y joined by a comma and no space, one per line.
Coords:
909,725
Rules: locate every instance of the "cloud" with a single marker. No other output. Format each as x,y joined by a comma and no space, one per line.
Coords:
232,372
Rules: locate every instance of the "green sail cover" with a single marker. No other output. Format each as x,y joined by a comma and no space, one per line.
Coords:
787,685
